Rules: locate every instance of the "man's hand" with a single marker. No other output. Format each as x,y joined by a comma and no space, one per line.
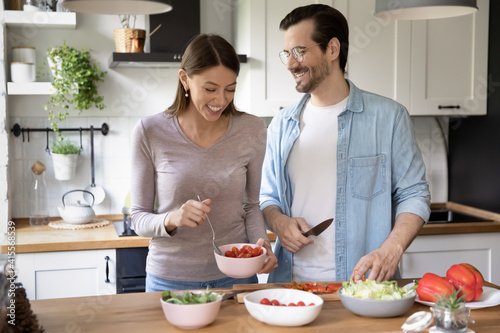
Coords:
383,261
289,230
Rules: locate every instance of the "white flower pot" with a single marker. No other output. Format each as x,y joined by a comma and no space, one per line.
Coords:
64,166
57,64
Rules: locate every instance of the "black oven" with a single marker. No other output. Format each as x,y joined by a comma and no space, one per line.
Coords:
130,262
131,270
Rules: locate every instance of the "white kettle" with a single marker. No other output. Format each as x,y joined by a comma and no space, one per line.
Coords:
78,213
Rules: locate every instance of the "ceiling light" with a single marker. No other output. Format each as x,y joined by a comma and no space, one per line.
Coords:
424,9
118,7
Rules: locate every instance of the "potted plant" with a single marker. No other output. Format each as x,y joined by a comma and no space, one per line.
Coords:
124,34
64,156
75,81
451,313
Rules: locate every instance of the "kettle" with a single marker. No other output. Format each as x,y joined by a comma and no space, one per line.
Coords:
78,213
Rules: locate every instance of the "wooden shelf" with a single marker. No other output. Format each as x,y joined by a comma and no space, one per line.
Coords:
42,20
30,88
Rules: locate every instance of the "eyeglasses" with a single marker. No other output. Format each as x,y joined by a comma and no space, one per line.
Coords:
298,53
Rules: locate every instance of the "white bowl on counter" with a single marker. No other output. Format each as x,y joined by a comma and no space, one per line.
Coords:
284,315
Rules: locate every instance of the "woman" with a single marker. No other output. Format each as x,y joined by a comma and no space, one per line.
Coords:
200,146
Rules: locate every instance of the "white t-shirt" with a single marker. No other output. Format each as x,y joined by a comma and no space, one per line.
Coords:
312,166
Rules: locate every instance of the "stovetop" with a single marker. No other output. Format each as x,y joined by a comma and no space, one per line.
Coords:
124,228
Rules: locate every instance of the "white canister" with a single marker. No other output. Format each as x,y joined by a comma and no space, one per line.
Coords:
22,72
24,54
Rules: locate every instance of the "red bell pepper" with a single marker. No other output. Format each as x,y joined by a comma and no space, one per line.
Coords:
467,279
431,286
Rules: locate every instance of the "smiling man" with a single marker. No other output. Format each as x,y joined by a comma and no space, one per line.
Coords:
339,152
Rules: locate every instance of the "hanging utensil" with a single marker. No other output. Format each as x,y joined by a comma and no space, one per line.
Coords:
96,190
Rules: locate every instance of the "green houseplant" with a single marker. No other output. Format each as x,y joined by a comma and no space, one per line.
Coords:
65,157
75,81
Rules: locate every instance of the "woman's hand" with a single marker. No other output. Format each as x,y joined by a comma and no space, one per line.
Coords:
191,214
271,262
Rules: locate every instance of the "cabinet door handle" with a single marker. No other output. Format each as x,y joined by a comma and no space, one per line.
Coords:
107,269
448,107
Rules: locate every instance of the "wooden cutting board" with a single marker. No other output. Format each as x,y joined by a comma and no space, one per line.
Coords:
260,286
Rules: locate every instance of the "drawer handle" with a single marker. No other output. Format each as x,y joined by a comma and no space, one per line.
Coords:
448,107
107,269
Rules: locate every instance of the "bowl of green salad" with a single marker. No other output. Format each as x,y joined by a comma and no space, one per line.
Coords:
191,309
376,299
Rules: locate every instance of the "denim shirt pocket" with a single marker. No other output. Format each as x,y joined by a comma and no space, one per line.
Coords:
367,176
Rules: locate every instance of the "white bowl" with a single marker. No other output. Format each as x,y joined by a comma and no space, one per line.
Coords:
191,316
239,267
284,315
376,308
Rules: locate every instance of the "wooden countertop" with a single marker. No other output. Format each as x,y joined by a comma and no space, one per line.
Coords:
31,239
142,312
43,238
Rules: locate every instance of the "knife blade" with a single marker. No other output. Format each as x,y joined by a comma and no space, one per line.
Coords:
318,229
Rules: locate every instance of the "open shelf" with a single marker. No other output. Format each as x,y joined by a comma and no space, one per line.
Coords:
30,88
42,20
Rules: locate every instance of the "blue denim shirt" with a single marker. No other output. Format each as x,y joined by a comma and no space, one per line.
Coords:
380,174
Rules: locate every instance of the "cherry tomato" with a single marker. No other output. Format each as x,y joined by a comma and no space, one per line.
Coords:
275,302
300,303
256,252
265,301
311,304
230,254
292,304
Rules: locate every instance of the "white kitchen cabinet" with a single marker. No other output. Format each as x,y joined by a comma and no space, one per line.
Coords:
434,67
437,253
430,66
47,275
29,23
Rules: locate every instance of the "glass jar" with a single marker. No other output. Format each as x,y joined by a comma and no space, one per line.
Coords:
38,196
451,320
34,5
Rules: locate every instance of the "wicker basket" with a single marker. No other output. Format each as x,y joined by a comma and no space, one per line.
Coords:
123,36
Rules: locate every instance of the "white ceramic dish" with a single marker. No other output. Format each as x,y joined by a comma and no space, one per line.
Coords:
239,267
191,316
284,315
490,297
376,308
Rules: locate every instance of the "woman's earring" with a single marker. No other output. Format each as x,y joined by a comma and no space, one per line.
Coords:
186,94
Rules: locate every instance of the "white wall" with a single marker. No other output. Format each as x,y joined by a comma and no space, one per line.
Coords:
130,93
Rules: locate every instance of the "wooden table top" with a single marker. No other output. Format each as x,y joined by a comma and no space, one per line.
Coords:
142,312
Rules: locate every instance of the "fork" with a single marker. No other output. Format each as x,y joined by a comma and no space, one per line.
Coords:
216,248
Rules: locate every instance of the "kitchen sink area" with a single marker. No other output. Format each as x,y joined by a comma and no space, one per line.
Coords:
440,216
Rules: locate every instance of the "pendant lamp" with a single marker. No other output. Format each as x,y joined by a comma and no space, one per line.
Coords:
424,9
118,7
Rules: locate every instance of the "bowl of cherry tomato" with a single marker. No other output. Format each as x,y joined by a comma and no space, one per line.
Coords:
240,260
283,307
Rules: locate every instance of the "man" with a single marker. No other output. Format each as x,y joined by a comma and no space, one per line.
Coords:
339,152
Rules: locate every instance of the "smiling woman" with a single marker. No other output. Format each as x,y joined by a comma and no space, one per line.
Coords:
201,145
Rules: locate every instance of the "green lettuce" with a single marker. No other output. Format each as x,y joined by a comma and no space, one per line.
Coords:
387,290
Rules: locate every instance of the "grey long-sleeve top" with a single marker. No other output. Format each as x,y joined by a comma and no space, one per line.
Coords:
167,165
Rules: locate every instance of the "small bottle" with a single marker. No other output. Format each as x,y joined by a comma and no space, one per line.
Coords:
38,196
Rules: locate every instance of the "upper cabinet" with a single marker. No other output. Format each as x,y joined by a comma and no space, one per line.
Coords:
433,67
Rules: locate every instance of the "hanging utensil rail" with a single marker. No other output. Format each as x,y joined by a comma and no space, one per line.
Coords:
18,130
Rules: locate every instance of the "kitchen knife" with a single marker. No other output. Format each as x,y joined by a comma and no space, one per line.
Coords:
318,229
